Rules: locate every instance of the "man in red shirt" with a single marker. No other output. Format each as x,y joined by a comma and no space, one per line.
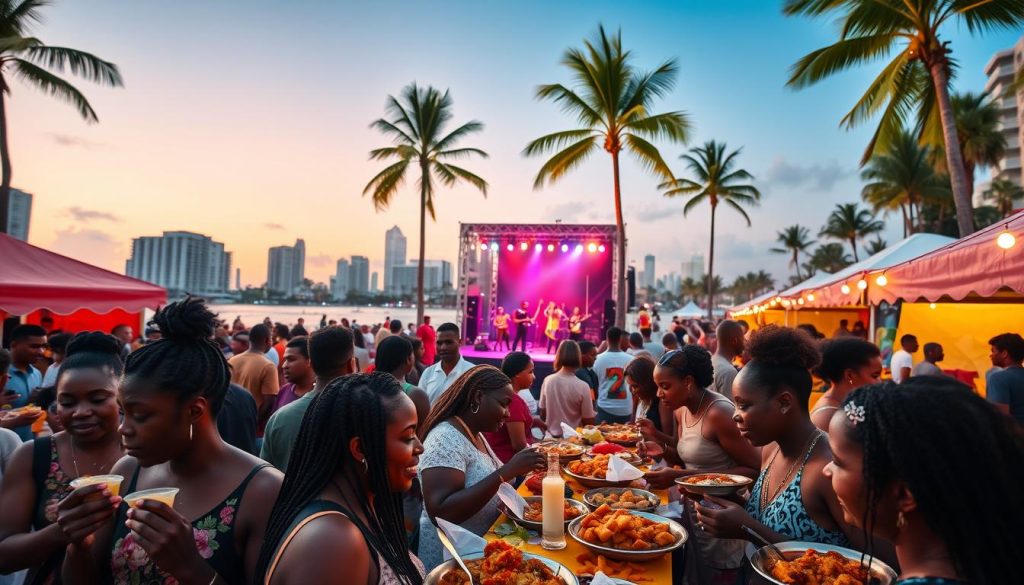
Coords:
427,334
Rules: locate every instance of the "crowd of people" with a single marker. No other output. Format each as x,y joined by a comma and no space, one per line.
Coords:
325,455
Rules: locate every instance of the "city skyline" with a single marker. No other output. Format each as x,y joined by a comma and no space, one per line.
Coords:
236,149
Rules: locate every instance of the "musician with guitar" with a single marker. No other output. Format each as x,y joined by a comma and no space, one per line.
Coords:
555,314
576,324
522,319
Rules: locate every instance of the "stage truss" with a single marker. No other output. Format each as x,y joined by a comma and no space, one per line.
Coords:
478,264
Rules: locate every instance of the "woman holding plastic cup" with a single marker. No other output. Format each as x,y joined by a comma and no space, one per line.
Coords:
170,395
45,471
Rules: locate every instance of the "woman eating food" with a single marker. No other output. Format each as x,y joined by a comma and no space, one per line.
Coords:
639,375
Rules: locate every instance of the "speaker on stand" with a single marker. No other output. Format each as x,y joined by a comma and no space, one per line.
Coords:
472,318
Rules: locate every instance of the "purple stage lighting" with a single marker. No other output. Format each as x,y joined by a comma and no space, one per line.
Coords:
510,247
524,246
592,247
578,249
601,248
565,248
538,248
494,246
551,247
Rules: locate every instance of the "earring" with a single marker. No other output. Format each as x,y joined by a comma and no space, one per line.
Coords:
850,380
366,465
190,432
785,409
475,409
901,521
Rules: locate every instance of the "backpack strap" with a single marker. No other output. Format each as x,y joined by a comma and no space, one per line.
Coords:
41,461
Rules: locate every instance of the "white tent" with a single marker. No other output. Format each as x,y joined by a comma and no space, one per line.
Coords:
690,311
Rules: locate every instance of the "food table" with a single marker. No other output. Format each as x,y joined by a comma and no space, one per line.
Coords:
656,571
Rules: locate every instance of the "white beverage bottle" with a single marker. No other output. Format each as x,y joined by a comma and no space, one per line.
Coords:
553,504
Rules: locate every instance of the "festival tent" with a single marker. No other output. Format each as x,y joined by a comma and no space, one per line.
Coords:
35,283
690,311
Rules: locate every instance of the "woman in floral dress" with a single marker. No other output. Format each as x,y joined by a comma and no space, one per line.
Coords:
170,396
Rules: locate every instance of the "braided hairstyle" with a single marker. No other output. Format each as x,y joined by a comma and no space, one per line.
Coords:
690,360
357,405
185,361
782,358
93,350
931,432
457,397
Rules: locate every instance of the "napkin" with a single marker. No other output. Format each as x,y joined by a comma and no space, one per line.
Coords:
568,432
619,470
601,579
515,502
464,541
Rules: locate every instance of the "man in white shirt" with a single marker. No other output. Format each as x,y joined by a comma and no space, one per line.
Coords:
438,377
902,362
614,400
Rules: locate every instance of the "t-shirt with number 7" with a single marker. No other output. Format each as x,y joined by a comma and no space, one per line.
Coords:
613,395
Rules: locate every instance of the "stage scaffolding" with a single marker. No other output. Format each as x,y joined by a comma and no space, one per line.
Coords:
478,265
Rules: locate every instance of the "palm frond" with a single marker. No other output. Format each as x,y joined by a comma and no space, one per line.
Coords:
384,185
570,102
674,126
462,174
557,140
694,202
458,134
647,155
402,151
17,44
55,86
643,88
565,160
390,128
80,63
842,55
458,153
20,17
988,15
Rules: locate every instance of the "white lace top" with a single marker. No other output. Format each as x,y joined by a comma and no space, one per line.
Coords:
445,446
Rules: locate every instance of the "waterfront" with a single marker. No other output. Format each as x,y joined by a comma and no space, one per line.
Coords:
289,314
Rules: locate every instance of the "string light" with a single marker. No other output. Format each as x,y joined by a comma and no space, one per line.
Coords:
810,297
931,306
881,280
800,301
845,288
862,284
1006,240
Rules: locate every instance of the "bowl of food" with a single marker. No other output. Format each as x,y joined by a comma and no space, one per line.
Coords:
622,499
620,434
810,562
714,484
27,410
501,558
627,535
566,451
534,512
113,482
592,473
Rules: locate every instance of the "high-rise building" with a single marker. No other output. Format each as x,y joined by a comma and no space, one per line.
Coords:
373,281
286,268
181,262
649,271
394,254
437,275
340,280
359,274
693,268
1001,71
19,214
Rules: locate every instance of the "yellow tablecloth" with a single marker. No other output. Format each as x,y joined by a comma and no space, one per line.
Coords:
657,571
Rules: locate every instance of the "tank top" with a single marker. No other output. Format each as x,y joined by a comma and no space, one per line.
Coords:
52,486
320,508
214,533
786,514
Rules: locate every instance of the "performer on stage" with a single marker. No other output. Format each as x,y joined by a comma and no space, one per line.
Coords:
501,319
522,319
555,314
576,324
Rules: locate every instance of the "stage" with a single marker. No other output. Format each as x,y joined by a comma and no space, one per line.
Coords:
543,363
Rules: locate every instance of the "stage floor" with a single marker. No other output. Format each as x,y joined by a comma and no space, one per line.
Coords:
536,354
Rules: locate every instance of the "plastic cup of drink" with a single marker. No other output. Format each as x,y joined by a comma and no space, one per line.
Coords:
113,482
165,495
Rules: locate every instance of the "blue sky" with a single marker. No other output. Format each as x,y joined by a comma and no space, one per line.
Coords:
248,121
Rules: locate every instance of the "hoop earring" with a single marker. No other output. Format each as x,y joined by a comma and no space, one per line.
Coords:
475,409
366,465
189,432
850,381
901,521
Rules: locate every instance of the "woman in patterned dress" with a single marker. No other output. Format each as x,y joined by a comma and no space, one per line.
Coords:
170,395
41,471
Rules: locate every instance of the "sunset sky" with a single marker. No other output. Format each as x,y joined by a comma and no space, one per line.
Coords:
248,121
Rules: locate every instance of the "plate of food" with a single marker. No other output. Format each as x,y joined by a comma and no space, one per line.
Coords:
714,484
592,472
534,512
28,409
810,562
566,451
502,560
622,499
627,535
621,434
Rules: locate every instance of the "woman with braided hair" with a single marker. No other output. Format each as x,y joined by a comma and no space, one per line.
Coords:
911,464
170,395
339,518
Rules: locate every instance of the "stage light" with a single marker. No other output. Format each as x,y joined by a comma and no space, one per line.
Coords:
845,288
551,247
494,246
538,248
1006,240
601,248
862,284
524,246
592,247
881,280
483,246
565,248
510,247
578,249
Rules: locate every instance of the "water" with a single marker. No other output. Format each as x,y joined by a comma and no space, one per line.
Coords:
289,314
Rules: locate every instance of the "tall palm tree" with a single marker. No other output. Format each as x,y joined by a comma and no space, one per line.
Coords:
830,258
763,282
901,177
612,102
918,76
690,289
417,127
793,240
849,223
875,246
37,64
982,142
1003,192
712,285
716,180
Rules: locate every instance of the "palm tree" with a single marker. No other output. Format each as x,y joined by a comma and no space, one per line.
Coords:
763,282
794,240
982,142
875,246
716,181
848,222
901,177
26,57
916,78
691,288
612,102
712,286
418,130
1003,192
830,258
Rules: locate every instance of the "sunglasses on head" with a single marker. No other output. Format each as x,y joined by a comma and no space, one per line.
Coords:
664,361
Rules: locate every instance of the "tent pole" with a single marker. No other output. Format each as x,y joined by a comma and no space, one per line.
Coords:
871,322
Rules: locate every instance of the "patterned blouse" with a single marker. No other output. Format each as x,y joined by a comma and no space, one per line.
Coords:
214,534
55,488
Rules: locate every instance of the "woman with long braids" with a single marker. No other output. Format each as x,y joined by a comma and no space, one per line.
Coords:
339,519
639,375
847,363
40,472
459,473
170,395
903,454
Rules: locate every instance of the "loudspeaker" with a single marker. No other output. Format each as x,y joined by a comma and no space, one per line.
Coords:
472,318
630,287
609,316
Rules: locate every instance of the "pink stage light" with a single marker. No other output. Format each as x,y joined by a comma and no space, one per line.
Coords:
601,248
494,246
483,246
551,247
592,247
510,247
578,249
538,247
565,248
524,246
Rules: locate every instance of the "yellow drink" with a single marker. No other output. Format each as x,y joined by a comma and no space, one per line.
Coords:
165,495
113,482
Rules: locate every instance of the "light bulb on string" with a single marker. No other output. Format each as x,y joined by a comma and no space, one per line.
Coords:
1006,240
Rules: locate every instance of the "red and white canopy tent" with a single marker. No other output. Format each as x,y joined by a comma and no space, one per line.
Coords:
35,283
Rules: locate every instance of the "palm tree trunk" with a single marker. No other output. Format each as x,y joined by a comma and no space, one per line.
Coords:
906,220
620,234
796,262
423,244
954,157
853,245
5,162
711,265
